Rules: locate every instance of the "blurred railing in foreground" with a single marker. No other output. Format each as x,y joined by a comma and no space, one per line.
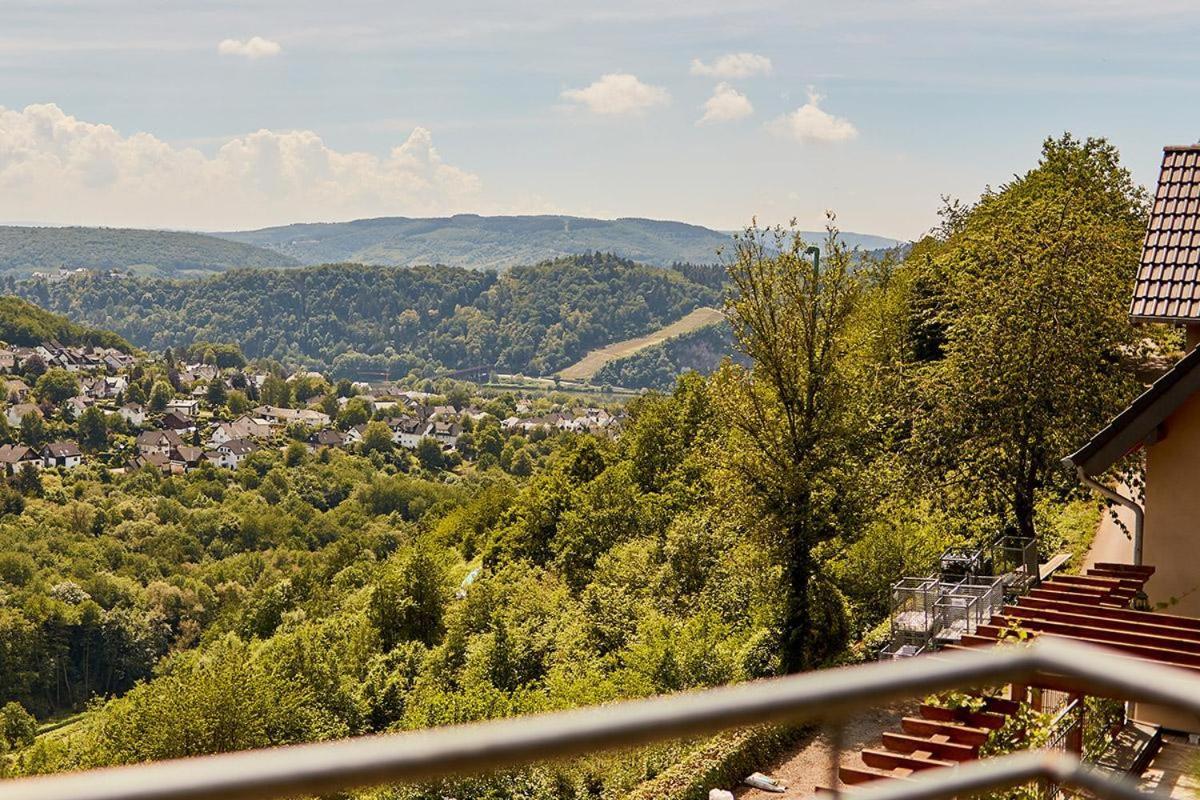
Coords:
827,697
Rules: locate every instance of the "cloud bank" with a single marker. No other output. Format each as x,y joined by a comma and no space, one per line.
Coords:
811,123
725,105
56,168
617,94
253,48
733,65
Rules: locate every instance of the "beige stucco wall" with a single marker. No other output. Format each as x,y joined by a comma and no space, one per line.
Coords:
1172,535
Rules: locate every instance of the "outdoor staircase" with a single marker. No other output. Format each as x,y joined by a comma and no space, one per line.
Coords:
1092,607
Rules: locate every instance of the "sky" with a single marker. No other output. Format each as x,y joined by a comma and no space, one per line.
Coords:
236,114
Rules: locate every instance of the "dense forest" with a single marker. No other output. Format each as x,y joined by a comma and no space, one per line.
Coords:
23,323
371,321
24,250
658,366
744,524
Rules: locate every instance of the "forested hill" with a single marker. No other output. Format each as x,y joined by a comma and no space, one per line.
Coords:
469,240
23,323
357,320
25,250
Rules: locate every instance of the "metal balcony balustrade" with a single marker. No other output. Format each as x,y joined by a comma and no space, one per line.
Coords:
825,697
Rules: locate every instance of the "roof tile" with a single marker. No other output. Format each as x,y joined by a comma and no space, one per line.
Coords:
1168,280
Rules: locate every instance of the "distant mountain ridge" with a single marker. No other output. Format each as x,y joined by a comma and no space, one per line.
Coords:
479,242
168,253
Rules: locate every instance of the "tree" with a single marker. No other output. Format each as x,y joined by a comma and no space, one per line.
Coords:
56,386
409,602
28,480
1035,280
34,367
377,438
160,395
135,393
276,392
355,412
429,453
33,429
791,416
329,405
92,430
17,726
216,395
307,387
295,454
237,402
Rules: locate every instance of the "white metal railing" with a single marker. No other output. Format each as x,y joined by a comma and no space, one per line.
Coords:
827,696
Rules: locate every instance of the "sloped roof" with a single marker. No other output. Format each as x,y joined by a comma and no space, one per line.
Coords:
1130,429
1168,280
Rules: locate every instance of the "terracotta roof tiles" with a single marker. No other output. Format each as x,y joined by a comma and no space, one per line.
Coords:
1168,281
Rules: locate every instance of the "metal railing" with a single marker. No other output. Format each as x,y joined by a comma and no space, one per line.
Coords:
827,696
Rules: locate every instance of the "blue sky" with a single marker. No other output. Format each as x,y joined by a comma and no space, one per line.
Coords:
170,113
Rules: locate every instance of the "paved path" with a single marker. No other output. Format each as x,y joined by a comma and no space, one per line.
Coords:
1110,544
806,764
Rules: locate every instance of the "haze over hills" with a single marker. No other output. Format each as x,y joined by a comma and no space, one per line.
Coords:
470,240
170,253
465,240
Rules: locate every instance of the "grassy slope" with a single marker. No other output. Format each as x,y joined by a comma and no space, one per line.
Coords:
590,364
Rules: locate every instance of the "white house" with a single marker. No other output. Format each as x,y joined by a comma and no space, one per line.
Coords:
186,407
133,413
232,453
446,433
62,454
408,431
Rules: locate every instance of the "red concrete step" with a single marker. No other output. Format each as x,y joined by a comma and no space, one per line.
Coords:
1080,626
962,734
1130,569
976,719
887,759
1076,607
950,751
855,776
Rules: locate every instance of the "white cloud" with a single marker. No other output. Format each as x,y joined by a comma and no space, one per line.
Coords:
811,123
56,168
618,93
733,65
725,105
253,48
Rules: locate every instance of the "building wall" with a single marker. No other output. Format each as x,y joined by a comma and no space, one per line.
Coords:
1171,542
1173,513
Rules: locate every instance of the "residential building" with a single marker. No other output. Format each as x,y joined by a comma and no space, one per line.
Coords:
282,417
62,454
1164,422
232,453
408,431
445,433
158,441
184,406
17,412
186,457
133,413
175,421
15,456
329,437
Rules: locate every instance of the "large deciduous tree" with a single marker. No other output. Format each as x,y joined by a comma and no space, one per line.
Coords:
1032,285
793,415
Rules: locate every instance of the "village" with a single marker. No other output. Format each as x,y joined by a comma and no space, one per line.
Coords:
66,406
